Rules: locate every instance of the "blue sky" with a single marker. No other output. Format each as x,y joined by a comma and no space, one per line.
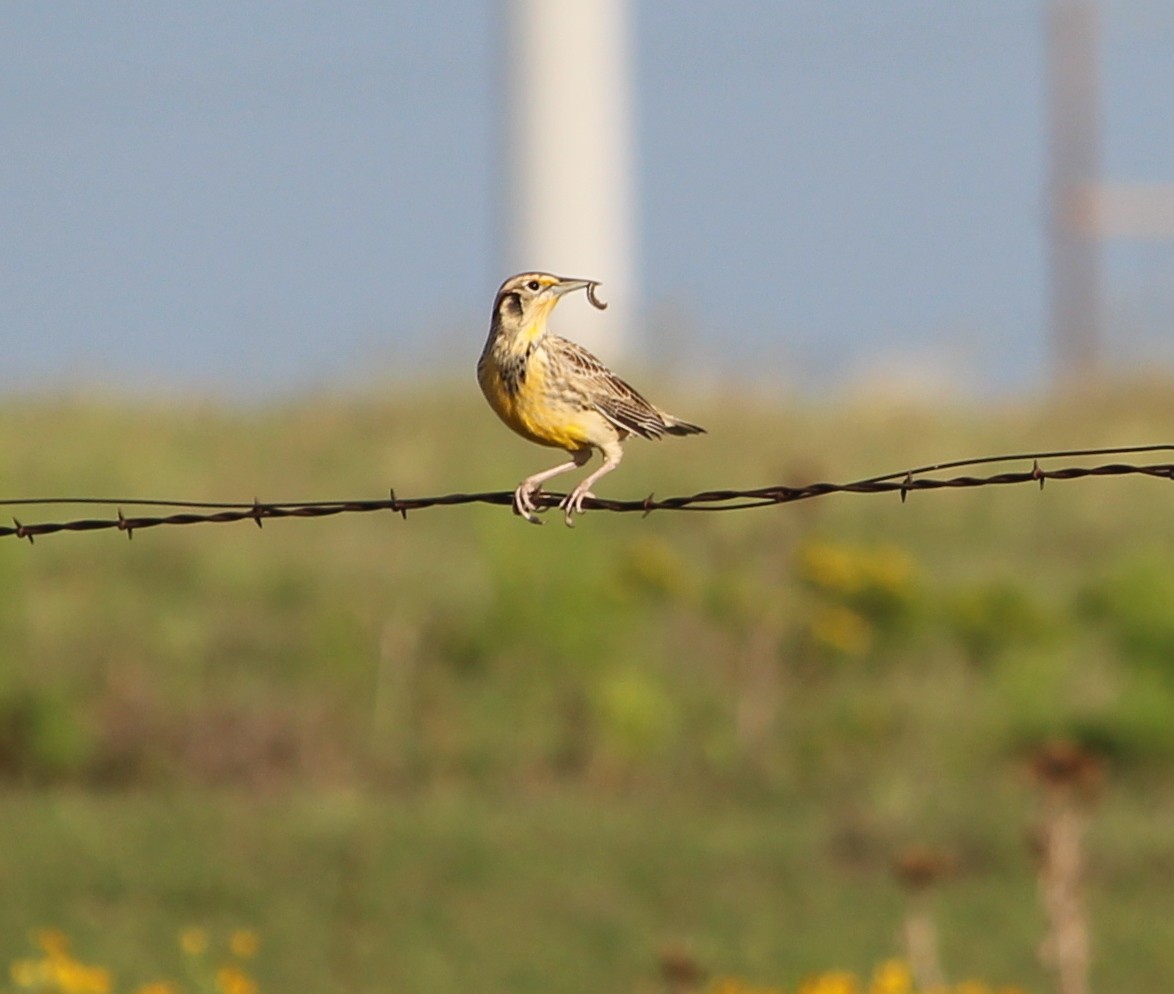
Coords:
255,198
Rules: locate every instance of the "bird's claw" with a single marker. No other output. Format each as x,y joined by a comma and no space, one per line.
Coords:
524,505
572,504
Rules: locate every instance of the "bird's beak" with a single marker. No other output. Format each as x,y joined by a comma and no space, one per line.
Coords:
569,286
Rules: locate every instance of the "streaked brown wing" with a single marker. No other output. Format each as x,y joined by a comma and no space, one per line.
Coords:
616,400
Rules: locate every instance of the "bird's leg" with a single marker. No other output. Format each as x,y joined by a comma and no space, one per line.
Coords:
524,495
573,503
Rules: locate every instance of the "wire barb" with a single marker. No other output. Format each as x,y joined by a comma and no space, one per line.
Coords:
902,481
20,532
395,505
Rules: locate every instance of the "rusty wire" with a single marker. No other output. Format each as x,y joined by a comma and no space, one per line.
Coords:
902,482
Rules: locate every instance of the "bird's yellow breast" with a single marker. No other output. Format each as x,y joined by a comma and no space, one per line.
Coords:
526,400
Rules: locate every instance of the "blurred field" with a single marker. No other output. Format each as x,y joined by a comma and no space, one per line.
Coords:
462,753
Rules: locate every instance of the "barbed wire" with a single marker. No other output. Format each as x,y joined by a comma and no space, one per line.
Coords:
902,482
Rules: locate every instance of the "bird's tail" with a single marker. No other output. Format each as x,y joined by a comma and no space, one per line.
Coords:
675,426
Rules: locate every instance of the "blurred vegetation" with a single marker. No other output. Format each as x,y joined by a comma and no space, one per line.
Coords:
461,751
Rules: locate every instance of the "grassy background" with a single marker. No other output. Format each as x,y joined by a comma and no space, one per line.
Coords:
462,752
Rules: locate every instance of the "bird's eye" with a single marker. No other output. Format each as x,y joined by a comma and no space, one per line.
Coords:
534,286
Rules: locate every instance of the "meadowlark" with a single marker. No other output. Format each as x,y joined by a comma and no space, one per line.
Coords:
556,393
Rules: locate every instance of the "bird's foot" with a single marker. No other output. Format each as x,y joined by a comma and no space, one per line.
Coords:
524,502
572,504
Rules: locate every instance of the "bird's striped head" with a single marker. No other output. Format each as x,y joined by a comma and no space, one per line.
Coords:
525,301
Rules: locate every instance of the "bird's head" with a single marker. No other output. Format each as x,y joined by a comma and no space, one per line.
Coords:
525,301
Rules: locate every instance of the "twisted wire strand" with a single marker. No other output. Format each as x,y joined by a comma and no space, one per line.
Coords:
902,482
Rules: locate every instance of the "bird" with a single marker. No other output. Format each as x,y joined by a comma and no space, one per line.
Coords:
554,392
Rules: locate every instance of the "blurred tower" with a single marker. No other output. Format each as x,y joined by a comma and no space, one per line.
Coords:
1086,211
569,203
1074,168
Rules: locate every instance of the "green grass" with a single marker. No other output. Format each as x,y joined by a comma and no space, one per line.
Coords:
453,891
462,752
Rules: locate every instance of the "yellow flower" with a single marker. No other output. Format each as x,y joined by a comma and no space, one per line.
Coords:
193,940
892,977
830,567
158,987
841,629
244,943
847,571
833,982
78,978
234,980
